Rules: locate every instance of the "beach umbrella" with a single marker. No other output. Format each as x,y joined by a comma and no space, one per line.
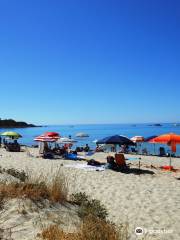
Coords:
116,139
13,135
81,134
137,139
65,140
170,139
43,138
52,134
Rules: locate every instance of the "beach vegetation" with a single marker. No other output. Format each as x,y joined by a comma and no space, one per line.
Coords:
89,206
92,228
21,175
36,189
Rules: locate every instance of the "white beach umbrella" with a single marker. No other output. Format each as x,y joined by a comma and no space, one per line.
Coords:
137,139
66,140
81,134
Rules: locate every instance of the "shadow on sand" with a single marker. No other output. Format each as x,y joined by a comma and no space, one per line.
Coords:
137,171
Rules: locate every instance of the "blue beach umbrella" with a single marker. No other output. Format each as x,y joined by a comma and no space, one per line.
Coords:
116,139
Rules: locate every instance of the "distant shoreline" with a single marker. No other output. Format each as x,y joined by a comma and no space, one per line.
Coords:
10,123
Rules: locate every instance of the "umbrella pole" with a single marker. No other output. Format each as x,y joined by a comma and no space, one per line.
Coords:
154,149
137,148
170,160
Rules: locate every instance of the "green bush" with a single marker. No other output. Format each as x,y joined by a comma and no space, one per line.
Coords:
80,198
88,206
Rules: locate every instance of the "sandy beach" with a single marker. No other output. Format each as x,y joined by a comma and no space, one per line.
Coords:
149,201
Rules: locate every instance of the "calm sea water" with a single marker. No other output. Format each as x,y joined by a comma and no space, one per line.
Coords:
98,131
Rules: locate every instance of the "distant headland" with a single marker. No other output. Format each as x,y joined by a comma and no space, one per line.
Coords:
10,123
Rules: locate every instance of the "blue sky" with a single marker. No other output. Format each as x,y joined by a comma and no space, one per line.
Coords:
90,61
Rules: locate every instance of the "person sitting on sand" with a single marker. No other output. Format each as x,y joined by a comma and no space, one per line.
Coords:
124,149
4,142
46,147
111,164
113,149
118,163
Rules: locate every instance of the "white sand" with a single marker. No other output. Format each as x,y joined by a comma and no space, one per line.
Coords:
147,201
24,220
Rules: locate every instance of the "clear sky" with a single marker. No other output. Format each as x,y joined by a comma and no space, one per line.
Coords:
90,61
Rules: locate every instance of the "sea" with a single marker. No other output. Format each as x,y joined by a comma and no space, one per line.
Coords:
99,131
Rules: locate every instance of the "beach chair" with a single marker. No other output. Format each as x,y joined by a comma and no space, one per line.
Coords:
120,161
11,147
162,152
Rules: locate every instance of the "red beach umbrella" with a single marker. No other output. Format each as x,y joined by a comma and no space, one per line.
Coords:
43,138
52,134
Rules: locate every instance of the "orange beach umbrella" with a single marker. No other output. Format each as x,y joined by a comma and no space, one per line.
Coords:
170,139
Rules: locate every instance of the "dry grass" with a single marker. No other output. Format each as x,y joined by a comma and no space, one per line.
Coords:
58,189
92,228
24,190
37,189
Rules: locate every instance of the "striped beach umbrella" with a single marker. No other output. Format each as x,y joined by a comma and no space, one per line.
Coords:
43,138
54,135
137,139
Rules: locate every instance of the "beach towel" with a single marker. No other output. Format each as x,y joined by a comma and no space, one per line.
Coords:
89,153
72,156
133,159
85,167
